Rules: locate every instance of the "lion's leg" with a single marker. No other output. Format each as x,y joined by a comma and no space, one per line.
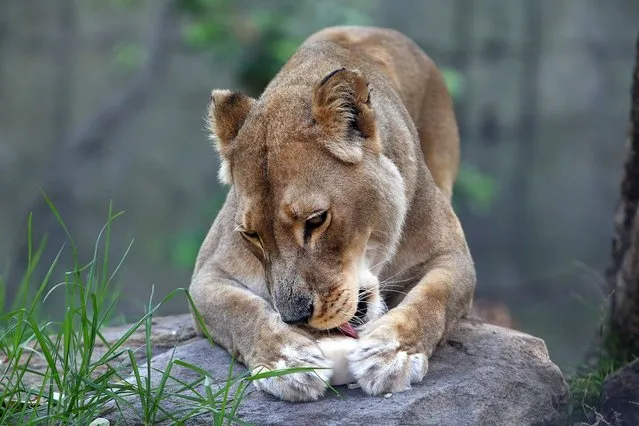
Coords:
394,350
250,329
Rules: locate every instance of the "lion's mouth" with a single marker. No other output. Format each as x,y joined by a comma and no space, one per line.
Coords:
347,329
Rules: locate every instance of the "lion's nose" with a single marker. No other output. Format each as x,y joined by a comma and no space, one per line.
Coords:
298,313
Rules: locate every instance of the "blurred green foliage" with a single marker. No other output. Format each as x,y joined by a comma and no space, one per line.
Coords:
454,81
259,40
184,246
475,190
126,57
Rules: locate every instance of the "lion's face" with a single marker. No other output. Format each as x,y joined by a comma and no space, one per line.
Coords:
318,204
308,218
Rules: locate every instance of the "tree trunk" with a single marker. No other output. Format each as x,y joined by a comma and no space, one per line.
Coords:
622,336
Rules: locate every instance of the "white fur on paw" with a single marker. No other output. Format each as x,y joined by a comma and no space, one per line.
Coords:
418,367
337,349
302,386
380,366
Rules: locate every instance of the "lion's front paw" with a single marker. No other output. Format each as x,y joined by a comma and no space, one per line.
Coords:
381,365
301,386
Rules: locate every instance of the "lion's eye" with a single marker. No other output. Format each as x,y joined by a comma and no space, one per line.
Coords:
315,220
253,237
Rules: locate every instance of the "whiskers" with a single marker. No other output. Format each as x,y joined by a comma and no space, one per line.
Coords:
373,308
357,321
396,286
390,290
382,253
365,293
387,282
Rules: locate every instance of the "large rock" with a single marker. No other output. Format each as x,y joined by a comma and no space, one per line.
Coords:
484,375
619,396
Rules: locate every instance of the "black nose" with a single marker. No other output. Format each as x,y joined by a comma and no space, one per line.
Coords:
297,316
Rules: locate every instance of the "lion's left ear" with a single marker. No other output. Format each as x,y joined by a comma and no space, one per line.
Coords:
226,115
341,105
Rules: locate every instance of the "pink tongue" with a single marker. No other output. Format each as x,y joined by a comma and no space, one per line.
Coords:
348,330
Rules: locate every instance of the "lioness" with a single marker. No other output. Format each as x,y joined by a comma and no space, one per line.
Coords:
339,208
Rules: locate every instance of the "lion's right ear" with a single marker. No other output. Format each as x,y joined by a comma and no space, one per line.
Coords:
341,106
226,114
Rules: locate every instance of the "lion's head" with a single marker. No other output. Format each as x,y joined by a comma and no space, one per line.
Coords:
319,204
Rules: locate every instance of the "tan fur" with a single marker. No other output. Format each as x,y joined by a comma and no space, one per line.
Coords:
342,174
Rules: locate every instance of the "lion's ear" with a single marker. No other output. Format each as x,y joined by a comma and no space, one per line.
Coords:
226,114
341,105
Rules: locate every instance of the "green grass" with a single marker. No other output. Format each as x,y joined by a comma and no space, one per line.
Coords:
76,386
586,383
585,387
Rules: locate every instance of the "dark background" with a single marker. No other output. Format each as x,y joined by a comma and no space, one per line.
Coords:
104,101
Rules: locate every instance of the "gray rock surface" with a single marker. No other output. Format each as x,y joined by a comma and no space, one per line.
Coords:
484,375
619,396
